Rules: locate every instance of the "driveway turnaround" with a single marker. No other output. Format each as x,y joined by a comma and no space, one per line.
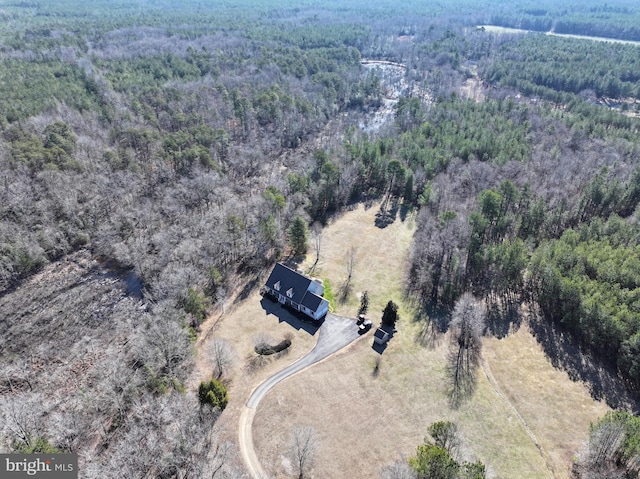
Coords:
335,333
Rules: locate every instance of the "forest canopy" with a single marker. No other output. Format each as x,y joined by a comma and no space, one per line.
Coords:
184,147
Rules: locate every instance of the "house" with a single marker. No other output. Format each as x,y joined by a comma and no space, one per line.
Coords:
297,291
380,336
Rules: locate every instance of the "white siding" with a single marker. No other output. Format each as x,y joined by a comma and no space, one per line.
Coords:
316,288
322,310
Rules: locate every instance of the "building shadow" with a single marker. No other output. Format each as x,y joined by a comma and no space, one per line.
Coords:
293,318
380,348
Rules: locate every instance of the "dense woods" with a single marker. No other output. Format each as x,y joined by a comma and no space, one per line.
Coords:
536,64
157,158
609,19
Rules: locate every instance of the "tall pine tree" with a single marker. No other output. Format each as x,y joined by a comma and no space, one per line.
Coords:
298,236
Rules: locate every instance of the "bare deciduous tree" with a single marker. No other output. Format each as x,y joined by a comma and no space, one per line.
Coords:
604,457
168,436
398,470
303,448
349,263
20,419
222,356
164,343
316,239
446,435
262,341
221,298
467,325
220,456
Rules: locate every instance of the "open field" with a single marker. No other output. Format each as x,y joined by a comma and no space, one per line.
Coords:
507,31
366,419
380,259
557,410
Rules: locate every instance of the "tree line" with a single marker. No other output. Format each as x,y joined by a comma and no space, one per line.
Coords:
194,151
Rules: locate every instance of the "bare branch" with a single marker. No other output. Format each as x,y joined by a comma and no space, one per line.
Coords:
398,470
467,325
303,448
222,356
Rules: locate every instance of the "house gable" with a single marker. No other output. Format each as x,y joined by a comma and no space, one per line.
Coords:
312,301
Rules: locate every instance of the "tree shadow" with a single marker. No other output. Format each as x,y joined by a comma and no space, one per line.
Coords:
368,203
248,288
503,317
287,315
312,269
344,291
385,217
435,323
462,381
404,212
293,262
256,362
429,336
376,367
566,354
461,391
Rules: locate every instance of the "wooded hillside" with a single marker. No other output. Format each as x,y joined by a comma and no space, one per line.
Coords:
153,156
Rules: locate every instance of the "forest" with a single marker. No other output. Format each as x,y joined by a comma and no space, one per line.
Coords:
154,155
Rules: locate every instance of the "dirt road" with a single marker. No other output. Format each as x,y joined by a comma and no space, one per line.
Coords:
335,334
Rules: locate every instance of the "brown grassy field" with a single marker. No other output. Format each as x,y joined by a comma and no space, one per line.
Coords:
240,324
366,419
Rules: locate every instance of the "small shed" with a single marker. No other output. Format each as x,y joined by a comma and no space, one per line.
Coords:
380,336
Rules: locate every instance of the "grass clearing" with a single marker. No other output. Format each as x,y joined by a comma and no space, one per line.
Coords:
557,410
370,409
240,324
380,259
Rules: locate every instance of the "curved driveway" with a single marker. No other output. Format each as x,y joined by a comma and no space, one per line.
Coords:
335,333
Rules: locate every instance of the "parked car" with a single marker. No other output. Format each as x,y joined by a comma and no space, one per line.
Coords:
366,325
363,323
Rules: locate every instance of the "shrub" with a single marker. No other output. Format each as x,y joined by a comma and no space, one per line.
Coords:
213,393
36,445
196,304
266,349
364,303
390,314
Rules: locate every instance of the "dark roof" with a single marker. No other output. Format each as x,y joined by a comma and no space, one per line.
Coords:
289,279
380,333
312,301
